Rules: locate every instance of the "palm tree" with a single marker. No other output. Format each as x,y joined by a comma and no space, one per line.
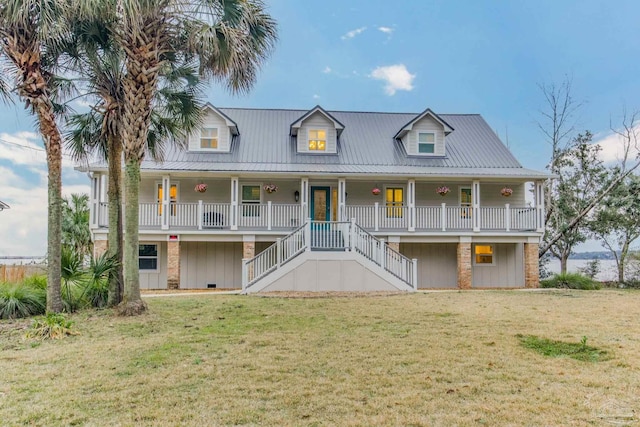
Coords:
228,40
27,29
177,110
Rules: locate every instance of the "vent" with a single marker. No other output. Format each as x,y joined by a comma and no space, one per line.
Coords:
211,285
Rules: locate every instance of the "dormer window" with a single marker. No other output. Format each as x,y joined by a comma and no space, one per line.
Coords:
317,140
426,142
209,138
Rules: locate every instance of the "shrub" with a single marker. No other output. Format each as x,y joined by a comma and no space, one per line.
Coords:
96,284
36,282
52,326
21,300
570,281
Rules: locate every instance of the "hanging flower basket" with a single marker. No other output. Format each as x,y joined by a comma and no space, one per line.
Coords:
376,191
201,188
270,188
506,191
443,191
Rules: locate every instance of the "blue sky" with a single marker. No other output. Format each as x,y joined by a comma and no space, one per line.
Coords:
484,57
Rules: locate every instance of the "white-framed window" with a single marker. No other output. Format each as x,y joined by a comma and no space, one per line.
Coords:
174,189
148,257
317,140
484,254
394,201
466,202
426,142
250,198
209,138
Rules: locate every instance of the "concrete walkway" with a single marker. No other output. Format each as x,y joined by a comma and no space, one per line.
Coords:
151,294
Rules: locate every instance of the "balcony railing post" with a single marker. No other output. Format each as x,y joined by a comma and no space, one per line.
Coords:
352,234
507,216
278,252
245,270
307,235
443,217
376,217
234,204
382,253
269,215
414,273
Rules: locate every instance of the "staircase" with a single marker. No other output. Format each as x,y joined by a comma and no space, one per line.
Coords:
327,256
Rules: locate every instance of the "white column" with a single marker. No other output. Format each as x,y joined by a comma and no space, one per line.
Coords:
269,215
342,198
376,216
304,198
94,211
200,214
166,202
539,202
411,203
443,217
475,199
234,203
507,216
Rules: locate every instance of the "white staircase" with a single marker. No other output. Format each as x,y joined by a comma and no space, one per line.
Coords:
329,256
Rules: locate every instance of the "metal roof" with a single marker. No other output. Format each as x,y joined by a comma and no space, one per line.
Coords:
366,146
3,205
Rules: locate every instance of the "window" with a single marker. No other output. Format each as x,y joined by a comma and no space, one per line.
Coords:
483,255
250,200
148,257
173,198
466,202
394,202
209,138
426,143
317,140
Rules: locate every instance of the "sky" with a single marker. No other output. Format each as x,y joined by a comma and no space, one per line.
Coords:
486,57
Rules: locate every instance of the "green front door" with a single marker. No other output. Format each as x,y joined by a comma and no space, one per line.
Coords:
320,204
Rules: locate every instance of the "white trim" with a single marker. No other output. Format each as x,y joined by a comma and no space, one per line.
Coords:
156,257
434,143
250,184
463,187
404,200
205,149
326,140
493,255
168,195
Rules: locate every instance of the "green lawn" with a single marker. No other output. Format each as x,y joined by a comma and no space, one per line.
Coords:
449,358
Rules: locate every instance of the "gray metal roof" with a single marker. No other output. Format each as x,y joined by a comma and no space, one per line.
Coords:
366,146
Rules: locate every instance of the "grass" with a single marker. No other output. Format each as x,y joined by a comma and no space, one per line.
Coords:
554,348
450,358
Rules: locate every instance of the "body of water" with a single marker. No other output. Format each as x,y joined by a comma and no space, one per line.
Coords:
608,268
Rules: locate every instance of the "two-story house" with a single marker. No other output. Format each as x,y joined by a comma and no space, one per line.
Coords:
269,199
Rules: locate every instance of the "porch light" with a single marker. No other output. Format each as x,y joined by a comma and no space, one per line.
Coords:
296,196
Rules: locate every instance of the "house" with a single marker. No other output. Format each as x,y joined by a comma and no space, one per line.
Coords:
271,199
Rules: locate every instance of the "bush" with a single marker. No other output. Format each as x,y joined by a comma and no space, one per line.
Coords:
21,300
570,281
52,326
96,284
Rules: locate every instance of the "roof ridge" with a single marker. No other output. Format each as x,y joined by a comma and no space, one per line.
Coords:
342,111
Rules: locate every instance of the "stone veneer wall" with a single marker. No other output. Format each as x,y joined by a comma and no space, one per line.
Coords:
173,265
464,265
531,266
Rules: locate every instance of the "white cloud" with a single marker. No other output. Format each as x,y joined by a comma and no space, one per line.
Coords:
613,146
351,34
326,70
23,226
316,96
386,30
396,76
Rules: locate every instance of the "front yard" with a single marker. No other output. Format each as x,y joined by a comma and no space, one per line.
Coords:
447,358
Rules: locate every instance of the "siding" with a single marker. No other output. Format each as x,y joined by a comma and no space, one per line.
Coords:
156,279
317,121
212,119
490,195
426,124
202,263
437,263
508,271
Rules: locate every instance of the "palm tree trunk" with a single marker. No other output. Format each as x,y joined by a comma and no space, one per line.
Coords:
52,142
132,303
116,279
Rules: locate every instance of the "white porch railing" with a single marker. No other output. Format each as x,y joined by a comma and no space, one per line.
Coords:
329,235
151,214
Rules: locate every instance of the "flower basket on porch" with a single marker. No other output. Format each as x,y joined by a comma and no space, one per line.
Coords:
506,191
443,191
270,188
201,188
376,191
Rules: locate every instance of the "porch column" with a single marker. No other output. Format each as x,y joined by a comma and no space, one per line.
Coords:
173,262
464,263
234,203
342,199
411,204
166,202
99,247
94,211
304,198
475,199
539,203
531,266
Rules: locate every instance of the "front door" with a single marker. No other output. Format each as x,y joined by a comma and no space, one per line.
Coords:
320,204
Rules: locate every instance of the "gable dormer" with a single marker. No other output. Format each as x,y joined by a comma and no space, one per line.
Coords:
425,135
317,132
215,132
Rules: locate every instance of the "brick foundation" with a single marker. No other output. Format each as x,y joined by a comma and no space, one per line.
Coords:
173,265
464,265
99,247
394,245
248,250
531,266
